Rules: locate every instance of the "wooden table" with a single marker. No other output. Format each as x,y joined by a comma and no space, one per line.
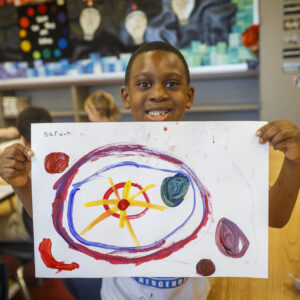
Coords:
284,258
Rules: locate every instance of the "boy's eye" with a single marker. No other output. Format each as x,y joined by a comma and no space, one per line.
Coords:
144,84
172,83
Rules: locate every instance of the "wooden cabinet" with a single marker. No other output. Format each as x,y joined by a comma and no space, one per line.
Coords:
219,89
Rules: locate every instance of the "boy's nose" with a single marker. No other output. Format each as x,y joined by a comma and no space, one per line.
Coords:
158,94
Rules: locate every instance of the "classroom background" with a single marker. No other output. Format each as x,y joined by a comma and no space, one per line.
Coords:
244,59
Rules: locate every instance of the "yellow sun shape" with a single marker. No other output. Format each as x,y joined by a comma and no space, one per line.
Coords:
121,204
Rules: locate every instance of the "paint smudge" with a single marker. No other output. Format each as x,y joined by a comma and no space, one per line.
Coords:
205,267
121,185
174,189
165,128
56,162
230,239
50,261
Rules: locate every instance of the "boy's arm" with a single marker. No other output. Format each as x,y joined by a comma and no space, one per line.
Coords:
283,135
9,132
15,164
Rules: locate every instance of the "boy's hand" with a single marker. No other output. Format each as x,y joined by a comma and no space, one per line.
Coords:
283,135
15,164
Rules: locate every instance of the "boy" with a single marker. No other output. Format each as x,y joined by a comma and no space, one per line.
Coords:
157,88
9,133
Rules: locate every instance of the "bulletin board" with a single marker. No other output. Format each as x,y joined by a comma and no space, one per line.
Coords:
118,25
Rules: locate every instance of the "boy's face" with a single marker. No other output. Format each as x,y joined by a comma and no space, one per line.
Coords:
157,88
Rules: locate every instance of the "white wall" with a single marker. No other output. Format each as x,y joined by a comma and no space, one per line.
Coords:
279,98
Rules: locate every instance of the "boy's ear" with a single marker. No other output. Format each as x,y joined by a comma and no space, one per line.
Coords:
125,97
190,97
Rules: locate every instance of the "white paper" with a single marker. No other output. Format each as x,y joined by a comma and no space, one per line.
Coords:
222,163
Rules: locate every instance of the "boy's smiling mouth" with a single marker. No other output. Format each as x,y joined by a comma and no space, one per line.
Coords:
158,113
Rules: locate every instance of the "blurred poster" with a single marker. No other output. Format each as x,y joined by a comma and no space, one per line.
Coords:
44,31
292,8
291,52
296,81
291,38
291,24
291,67
111,27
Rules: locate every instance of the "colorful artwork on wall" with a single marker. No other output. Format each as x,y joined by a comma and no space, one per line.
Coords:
208,31
44,31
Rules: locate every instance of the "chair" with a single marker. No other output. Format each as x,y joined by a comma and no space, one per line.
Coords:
22,251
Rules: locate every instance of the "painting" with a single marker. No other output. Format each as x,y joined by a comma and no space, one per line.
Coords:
150,199
44,31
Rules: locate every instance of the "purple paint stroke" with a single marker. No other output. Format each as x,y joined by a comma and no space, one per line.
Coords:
121,150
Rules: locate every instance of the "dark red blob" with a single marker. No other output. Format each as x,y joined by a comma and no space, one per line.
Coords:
123,204
50,261
56,162
42,8
165,128
230,240
30,12
205,267
133,6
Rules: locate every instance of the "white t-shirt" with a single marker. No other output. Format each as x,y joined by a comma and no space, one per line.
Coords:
155,288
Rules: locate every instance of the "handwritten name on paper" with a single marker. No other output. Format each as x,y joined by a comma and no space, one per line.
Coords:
56,133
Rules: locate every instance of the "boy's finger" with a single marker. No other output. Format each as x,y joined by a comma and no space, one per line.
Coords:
10,173
268,134
13,164
22,148
281,136
14,154
263,129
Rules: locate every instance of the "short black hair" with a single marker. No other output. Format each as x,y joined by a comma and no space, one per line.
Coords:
31,115
156,46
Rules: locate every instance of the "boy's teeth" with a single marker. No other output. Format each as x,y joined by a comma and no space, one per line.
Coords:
156,113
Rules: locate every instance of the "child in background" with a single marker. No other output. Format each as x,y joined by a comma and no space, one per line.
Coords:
9,133
100,107
157,88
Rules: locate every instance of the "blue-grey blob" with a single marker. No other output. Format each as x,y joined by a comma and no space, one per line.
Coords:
174,189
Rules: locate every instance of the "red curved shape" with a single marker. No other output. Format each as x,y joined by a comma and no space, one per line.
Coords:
50,261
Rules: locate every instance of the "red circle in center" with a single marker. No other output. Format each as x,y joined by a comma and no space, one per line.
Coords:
123,204
121,185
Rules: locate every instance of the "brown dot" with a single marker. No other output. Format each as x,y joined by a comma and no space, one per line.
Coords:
205,267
